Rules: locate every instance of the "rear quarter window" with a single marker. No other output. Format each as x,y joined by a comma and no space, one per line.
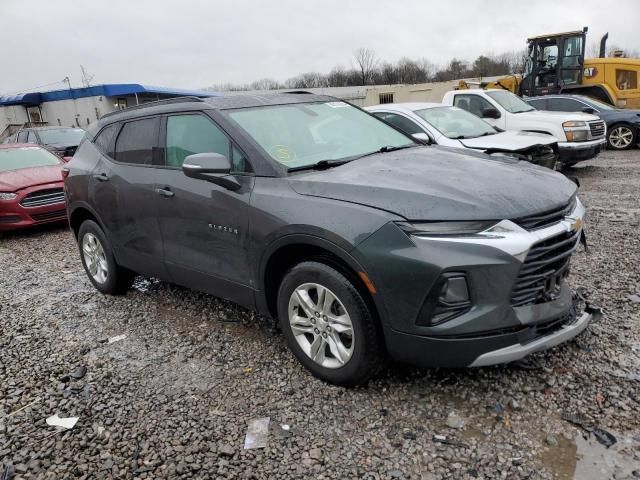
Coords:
104,140
136,141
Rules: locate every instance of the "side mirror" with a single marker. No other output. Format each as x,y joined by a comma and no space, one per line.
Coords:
212,167
589,110
422,138
490,113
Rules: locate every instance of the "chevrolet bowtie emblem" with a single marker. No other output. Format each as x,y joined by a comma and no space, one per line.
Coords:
576,225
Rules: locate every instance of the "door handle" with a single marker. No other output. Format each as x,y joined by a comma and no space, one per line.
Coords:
101,177
164,192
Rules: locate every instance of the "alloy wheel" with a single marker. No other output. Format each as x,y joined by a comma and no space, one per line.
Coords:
95,258
620,137
321,325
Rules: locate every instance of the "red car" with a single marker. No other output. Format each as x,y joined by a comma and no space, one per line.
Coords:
31,187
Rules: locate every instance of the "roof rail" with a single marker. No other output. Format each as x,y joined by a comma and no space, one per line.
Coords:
166,101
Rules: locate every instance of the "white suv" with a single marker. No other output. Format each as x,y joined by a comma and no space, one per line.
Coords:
580,136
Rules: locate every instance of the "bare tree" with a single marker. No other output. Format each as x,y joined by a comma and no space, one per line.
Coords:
265,84
366,62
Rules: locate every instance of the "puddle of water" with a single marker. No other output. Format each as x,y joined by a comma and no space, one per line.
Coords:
596,462
561,459
587,459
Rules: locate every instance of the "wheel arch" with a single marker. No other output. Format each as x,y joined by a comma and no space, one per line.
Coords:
79,214
287,252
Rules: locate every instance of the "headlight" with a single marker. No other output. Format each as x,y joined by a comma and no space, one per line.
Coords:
576,131
7,196
454,229
566,125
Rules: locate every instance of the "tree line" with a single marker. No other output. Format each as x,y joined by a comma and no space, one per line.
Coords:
367,69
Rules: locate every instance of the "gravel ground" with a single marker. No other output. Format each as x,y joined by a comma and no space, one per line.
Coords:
174,397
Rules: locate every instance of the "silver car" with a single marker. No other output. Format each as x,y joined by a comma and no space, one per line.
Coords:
455,127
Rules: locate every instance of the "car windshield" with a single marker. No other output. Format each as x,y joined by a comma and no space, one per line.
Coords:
597,104
454,122
510,102
61,136
25,157
303,134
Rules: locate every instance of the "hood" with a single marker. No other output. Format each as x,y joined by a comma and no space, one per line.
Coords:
509,141
436,183
27,177
561,116
620,115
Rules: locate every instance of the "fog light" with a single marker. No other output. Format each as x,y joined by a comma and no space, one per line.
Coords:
454,290
448,299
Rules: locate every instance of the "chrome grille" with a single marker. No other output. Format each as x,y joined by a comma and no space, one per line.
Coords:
597,129
546,218
544,269
41,198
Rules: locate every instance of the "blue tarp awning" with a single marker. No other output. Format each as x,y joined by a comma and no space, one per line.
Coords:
27,99
107,90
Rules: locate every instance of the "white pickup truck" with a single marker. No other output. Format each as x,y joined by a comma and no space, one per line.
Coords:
580,136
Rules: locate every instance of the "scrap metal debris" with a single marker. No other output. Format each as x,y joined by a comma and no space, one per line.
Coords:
66,423
115,339
605,438
257,433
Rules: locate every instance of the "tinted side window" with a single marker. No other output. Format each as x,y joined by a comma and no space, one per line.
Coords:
32,138
22,137
104,140
471,103
189,134
538,104
564,105
402,123
136,140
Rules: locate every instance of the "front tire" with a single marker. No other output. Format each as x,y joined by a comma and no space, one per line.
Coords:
328,325
622,136
99,263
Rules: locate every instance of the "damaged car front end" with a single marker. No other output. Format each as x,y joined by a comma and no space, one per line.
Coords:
493,292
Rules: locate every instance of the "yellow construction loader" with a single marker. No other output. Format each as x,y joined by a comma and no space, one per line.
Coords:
555,64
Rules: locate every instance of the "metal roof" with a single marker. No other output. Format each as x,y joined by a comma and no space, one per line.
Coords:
106,90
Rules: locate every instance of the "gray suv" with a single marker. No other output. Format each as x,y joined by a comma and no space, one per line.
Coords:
363,243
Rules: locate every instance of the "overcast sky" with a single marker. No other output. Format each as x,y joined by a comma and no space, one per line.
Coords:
193,44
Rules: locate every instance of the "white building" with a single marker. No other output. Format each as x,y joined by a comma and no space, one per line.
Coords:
78,107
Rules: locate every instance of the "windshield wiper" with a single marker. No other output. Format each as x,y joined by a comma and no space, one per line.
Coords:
321,165
390,148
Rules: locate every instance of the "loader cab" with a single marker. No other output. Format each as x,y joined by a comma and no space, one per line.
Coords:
553,63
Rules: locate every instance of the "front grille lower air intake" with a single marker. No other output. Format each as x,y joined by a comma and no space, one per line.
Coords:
546,266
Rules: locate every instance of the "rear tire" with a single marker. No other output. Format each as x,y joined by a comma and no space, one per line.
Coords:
622,136
328,325
99,263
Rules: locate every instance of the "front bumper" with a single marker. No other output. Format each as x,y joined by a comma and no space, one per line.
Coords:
14,216
497,327
573,152
519,350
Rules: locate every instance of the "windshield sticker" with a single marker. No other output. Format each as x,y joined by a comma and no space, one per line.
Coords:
282,153
337,104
